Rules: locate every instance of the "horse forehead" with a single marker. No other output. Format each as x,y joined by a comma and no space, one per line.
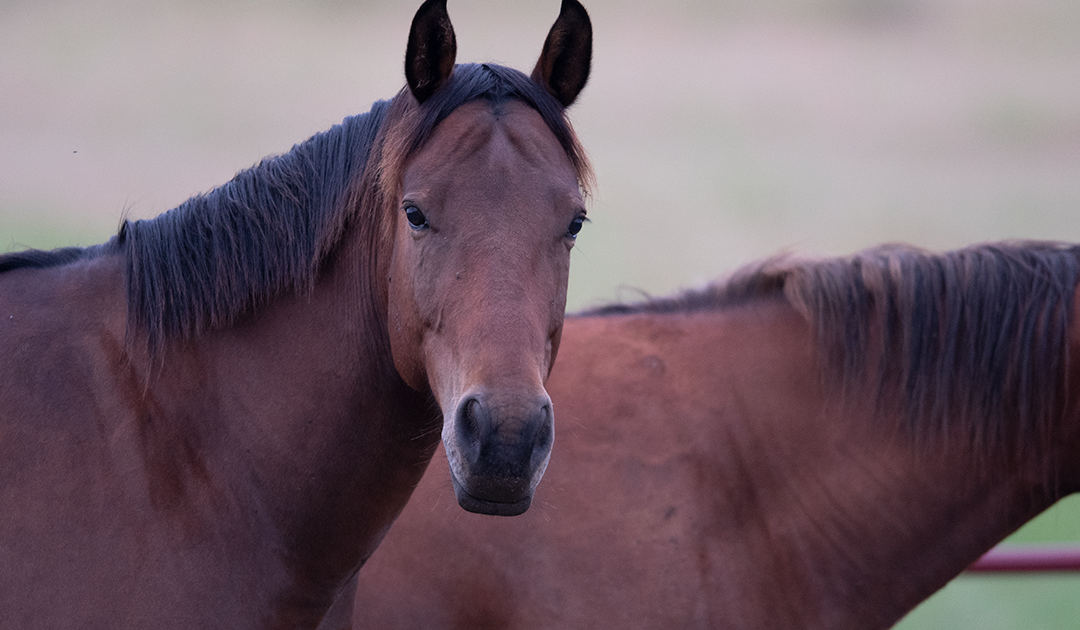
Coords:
508,139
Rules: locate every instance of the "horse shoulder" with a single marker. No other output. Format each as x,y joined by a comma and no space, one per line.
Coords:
61,332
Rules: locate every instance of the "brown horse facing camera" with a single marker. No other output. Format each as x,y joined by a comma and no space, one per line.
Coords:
211,420
811,445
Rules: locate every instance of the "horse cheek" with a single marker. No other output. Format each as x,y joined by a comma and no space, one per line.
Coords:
557,310
405,330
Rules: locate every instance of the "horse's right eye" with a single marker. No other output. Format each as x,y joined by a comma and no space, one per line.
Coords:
416,219
575,227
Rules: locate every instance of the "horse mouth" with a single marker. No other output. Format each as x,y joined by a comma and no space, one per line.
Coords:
477,505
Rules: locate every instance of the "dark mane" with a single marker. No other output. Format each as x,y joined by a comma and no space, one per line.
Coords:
967,340
266,231
43,259
204,263
749,284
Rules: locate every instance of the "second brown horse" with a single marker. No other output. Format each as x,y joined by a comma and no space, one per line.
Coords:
815,445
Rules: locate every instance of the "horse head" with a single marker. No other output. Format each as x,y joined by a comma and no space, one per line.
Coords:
487,178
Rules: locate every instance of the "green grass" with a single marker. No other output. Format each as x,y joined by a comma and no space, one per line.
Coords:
1012,601
1031,602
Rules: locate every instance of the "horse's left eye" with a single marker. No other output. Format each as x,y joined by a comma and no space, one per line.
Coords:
416,219
575,227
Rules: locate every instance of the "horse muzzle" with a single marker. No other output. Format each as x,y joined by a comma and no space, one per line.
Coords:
498,449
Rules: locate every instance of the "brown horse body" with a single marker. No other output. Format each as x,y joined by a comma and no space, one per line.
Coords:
212,420
801,448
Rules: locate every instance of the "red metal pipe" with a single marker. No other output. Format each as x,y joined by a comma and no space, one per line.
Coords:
1028,559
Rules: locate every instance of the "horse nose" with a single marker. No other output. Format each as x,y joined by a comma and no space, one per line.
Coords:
504,444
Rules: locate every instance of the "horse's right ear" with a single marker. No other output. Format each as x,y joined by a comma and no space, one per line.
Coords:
563,67
429,57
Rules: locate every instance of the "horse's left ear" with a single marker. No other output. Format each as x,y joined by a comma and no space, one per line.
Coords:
429,56
563,67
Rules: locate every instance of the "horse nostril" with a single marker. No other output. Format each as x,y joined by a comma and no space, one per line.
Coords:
545,433
543,438
468,421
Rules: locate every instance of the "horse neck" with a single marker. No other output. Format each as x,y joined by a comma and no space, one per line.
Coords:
843,521
297,416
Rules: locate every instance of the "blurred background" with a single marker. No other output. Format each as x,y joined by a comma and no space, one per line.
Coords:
722,131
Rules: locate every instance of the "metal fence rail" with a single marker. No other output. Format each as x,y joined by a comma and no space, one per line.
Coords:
1028,559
